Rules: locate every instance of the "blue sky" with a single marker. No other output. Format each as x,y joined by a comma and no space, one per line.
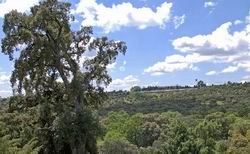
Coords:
169,41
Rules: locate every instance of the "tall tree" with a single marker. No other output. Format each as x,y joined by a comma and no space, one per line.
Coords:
51,51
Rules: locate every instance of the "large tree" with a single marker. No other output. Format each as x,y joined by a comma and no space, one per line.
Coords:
50,52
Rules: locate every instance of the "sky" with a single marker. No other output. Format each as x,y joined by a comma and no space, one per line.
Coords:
169,42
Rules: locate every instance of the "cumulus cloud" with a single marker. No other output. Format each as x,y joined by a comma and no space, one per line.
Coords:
176,63
122,15
219,42
223,45
237,22
244,64
161,68
211,73
230,69
220,46
178,21
19,5
209,4
123,84
240,64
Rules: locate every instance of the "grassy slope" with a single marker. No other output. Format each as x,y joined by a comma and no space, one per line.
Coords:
225,98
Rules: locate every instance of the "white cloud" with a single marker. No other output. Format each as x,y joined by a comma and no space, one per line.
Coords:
123,84
220,46
111,66
210,4
4,79
211,73
237,22
163,67
178,21
219,42
19,5
244,64
122,15
230,69
176,63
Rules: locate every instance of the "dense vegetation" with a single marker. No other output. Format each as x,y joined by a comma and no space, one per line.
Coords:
172,133
214,119
207,120
60,106
230,98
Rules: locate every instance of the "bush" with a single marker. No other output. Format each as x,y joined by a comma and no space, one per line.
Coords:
117,147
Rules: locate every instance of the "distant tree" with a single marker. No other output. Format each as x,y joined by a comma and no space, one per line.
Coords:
118,147
135,89
229,83
200,84
50,51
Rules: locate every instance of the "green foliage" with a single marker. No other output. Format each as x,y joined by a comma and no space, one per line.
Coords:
192,101
171,133
53,116
135,89
118,147
26,124
200,84
46,116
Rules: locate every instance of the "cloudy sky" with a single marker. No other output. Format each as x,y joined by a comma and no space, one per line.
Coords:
169,41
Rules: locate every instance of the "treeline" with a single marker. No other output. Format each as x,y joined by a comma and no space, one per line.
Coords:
199,84
158,88
232,98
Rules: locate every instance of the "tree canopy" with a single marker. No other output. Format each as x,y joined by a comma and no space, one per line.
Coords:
49,51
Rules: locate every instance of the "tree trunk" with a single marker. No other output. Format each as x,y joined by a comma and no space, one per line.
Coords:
79,147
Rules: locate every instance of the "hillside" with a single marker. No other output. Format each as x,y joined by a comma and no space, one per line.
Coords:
207,120
232,97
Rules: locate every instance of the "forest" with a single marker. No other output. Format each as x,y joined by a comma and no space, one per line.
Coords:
60,106
207,120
